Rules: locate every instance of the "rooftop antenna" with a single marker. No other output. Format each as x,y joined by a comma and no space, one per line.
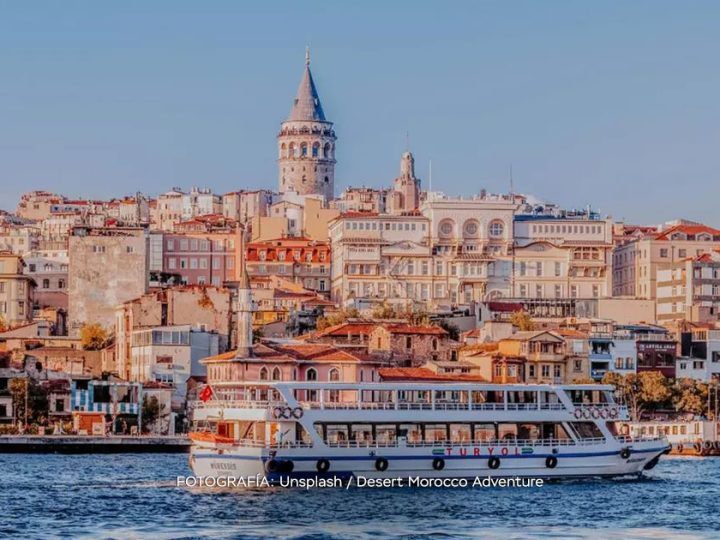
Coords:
512,188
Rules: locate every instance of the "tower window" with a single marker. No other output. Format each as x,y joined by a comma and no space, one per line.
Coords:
327,180
315,150
303,150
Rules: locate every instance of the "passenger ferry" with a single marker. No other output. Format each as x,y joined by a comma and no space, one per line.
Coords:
276,430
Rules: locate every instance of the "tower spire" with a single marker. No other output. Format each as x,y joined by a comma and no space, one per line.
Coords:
307,56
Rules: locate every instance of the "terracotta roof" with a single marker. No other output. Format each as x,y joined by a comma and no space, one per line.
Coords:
425,329
690,230
424,374
571,333
344,329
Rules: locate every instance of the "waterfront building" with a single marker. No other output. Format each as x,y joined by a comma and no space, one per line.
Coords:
170,355
306,144
107,267
689,289
17,290
700,354
209,307
637,262
168,210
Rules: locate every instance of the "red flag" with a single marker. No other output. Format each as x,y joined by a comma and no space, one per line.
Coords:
206,393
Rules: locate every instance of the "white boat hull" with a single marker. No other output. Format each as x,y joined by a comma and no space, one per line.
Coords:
598,461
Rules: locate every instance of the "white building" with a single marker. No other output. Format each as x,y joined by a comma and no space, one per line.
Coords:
171,354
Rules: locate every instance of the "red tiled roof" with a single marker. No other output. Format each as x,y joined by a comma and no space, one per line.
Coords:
690,230
425,329
424,374
344,329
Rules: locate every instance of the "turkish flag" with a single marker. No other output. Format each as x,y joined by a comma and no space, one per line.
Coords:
206,393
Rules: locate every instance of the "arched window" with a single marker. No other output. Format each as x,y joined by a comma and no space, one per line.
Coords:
276,376
326,151
496,229
334,375
315,150
263,373
311,375
291,150
283,150
303,150
435,344
327,180
471,228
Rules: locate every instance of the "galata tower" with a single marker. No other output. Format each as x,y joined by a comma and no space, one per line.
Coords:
306,144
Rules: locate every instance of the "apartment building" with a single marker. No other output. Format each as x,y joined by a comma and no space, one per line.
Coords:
636,262
690,289
303,261
201,258
17,290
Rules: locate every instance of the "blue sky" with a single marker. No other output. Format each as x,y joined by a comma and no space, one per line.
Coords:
614,104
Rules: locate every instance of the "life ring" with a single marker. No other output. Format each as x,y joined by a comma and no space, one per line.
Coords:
679,448
438,464
708,445
381,464
717,445
595,413
551,462
587,414
322,465
651,464
625,453
697,447
578,413
604,413
494,462
297,413
279,412
286,466
272,466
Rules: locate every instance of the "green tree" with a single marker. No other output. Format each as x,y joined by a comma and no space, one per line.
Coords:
93,337
28,391
450,328
339,317
690,396
152,411
522,320
384,311
647,390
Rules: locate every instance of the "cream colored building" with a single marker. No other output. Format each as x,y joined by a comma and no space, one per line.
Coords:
636,263
16,290
567,256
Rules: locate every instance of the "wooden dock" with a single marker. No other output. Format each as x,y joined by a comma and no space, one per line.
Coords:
81,444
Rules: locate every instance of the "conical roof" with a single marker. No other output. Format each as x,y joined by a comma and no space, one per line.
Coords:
307,102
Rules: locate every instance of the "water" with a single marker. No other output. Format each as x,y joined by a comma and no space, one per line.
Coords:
134,496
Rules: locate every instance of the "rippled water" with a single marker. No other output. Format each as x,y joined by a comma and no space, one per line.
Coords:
134,496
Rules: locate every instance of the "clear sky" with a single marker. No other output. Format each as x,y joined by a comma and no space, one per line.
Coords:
614,103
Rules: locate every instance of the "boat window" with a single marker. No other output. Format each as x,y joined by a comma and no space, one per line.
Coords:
460,432
587,430
612,427
528,431
302,435
413,432
557,431
478,396
336,433
385,433
435,432
507,432
484,432
361,432
683,430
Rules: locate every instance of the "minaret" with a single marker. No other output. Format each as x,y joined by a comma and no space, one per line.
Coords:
244,307
306,144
